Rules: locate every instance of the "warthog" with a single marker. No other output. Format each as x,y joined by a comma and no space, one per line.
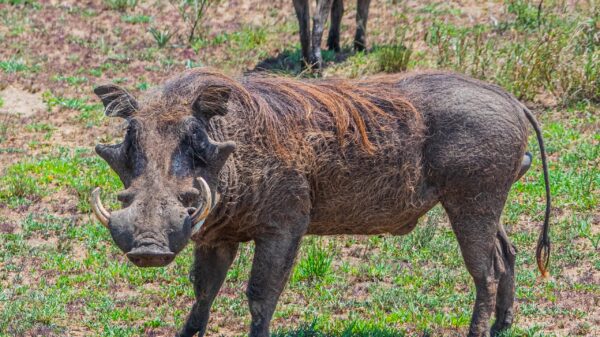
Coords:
271,159
311,44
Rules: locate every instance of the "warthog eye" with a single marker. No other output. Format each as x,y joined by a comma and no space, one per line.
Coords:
198,153
200,147
189,197
126,197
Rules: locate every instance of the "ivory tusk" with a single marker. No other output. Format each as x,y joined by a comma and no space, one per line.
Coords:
200,214
101,213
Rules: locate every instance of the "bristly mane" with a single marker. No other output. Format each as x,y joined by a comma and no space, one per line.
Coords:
283,109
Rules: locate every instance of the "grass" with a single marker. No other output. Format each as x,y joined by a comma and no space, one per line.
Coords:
78,171
558,54
393,59
121,5
71,80
13,66
316,264
60,273
90,114
136,19
18,2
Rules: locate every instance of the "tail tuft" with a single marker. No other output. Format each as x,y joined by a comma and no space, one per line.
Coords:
543,256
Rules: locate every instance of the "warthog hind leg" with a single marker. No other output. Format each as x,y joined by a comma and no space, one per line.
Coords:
505,254
207,274
475,221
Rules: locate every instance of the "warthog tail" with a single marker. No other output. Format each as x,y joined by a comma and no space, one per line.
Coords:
543,246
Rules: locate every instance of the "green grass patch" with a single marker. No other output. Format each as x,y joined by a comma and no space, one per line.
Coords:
136,19
77,172
13,66
316,264
121,5
91,114
392,59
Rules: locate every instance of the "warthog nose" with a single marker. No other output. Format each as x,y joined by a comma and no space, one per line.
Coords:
150,256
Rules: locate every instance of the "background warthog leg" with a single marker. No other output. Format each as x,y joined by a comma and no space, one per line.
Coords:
337,11
207,275
362,14
319,21
303,14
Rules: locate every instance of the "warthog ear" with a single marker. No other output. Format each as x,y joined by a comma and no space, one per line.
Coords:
115,156
117,101
211,101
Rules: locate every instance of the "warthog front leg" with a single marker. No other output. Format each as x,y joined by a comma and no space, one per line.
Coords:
208,273
273,260
362,14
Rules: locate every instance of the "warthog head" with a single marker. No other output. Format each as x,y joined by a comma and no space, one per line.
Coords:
169,167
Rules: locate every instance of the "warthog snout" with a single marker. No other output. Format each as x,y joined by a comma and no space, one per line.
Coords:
152,229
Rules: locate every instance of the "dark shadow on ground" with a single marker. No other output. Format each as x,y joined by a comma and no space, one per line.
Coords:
289,61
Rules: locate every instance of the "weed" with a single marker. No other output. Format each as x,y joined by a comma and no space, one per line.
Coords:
89,113
189,64
161,37
528,15
3,129
96,72
391,59
121,5
316,264
142,86
192,12
585,231
46,128
13,66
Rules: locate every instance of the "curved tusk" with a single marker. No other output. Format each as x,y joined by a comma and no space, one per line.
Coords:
101,213
200,214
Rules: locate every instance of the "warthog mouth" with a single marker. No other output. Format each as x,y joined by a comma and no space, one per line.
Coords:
150,256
